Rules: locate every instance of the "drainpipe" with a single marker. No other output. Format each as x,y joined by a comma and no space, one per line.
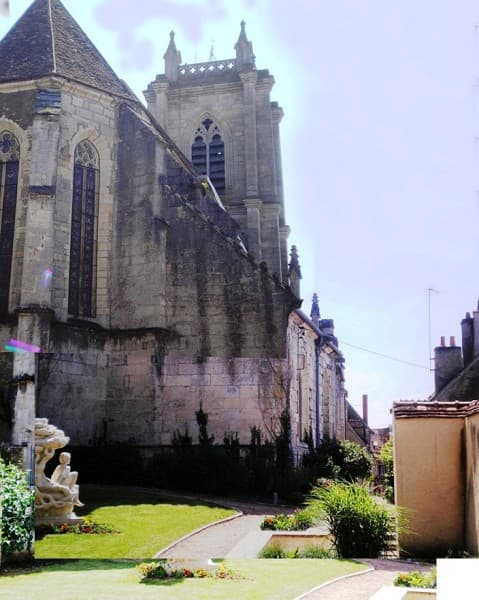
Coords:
319,408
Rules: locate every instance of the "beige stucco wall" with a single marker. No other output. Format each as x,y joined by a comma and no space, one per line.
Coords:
472,483
429,476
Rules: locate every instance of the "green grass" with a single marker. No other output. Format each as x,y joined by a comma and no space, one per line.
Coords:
147,522
103,580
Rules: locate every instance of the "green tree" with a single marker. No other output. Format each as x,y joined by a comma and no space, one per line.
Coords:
386,456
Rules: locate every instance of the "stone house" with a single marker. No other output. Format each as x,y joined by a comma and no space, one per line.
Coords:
143,251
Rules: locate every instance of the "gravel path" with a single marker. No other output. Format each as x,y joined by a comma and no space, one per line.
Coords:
215,541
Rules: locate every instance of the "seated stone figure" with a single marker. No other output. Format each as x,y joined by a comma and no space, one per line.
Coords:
63,475
55,497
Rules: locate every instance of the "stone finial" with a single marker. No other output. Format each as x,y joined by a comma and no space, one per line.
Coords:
172,59
244,50
294,260
294,272
315,314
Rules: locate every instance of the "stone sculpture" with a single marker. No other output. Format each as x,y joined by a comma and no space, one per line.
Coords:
55,497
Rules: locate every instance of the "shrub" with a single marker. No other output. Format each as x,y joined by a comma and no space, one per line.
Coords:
312,551
16,499
273,551
359,525
316,552
417,579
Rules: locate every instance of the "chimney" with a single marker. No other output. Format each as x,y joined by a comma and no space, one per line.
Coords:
467,328
447,363
475,317
327,327
365,408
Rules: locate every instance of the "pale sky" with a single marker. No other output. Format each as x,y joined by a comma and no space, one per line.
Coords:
380,155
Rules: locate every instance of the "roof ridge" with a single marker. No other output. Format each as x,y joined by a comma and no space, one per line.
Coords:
47,40
52,33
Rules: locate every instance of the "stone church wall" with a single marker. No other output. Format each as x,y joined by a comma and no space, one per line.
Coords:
16,116
91,115
138,298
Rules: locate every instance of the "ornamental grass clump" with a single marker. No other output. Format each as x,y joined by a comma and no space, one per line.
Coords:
360,526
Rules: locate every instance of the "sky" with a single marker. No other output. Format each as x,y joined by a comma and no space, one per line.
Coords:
380,156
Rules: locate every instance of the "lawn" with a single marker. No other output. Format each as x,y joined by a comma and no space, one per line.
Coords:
263,579
146,522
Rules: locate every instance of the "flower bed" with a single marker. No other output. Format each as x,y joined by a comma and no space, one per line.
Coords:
165,570
298,521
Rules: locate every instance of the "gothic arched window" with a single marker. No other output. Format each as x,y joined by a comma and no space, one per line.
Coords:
83,240
9,160
208,153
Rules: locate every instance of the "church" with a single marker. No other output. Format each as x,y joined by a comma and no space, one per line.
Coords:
144,265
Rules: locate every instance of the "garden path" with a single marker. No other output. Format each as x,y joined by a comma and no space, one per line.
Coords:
240,537
364,585
220,539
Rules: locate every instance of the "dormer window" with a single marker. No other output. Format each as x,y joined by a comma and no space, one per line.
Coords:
208,153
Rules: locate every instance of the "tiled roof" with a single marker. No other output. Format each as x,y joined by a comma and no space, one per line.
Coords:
47,40
414,410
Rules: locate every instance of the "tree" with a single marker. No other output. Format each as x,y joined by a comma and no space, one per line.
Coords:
386,456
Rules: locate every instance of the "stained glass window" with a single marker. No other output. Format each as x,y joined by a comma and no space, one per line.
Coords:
83,240
9,157
208,153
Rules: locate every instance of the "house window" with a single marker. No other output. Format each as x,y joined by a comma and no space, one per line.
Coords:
9,157
208,153
83,241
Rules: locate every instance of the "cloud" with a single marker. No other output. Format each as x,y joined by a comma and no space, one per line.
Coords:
190,17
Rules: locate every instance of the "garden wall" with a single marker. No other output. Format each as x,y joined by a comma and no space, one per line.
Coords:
436,456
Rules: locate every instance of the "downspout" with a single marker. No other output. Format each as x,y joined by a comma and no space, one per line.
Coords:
319,411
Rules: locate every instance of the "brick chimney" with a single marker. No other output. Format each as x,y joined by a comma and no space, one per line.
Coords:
365,408
447,363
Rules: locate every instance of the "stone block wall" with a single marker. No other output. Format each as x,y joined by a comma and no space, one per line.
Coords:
236,393
220,302
138,285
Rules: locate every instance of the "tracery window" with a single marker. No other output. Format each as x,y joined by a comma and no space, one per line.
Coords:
83,240
9,161
208,153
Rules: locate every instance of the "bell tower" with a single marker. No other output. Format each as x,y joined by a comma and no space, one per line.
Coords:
221,116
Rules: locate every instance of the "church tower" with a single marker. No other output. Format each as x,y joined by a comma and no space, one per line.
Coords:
221,116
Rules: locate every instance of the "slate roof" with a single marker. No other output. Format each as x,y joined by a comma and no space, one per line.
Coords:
47,40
